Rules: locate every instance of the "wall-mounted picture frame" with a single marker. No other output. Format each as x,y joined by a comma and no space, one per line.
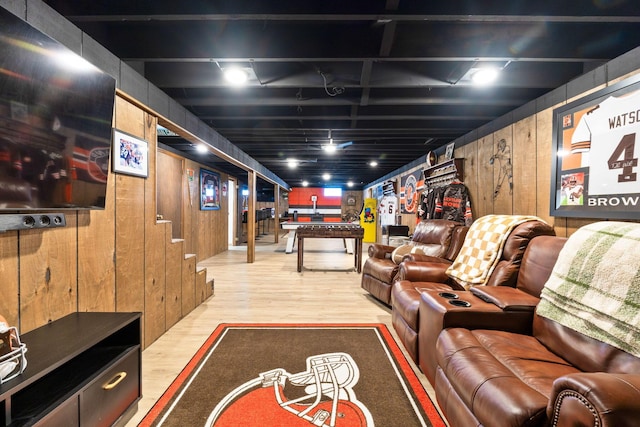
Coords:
595,154
130,154
448,154
209,190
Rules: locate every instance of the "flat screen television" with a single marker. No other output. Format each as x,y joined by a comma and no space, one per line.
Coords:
56,114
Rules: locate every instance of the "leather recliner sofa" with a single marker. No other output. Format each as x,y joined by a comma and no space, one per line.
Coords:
437,238
418,274
498,363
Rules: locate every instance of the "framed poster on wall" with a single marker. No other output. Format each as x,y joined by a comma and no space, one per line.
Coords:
130,154
209,190
410,184
596,146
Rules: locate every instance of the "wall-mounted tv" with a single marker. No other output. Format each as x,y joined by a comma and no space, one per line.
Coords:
56,114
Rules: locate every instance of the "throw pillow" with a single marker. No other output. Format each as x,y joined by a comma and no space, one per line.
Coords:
399,252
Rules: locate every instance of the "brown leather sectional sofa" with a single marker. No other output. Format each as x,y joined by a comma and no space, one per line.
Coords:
418,273
494,362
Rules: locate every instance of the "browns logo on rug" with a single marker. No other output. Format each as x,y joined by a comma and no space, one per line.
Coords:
320,395
296,375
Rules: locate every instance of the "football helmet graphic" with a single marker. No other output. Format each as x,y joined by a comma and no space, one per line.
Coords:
320,396
12,352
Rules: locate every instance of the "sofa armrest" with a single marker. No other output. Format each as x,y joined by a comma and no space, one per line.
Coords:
377,250
438,311
507,298
595,399
423,272
417,257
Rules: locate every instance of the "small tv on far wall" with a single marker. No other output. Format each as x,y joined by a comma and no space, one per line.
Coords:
56,113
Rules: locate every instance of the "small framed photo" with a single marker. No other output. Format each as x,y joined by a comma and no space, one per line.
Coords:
130,154
448,154
209,190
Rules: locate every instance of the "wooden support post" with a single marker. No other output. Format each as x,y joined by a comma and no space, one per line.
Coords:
251,217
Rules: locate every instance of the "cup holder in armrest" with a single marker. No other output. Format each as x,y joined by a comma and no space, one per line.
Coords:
448,295
459,303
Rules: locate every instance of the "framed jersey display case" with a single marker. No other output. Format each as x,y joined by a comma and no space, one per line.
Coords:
595,150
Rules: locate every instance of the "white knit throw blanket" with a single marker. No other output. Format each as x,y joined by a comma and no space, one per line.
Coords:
594,287
482,248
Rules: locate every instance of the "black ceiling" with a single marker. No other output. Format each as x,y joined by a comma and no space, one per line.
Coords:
389,76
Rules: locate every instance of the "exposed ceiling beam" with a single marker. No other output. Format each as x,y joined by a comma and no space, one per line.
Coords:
353,17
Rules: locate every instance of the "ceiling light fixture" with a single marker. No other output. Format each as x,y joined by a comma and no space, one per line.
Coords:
201,148
484,76
305,183
373,163
350,184
329,148
292,163
326,176
235,75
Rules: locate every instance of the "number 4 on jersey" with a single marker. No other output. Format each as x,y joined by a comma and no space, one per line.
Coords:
625,150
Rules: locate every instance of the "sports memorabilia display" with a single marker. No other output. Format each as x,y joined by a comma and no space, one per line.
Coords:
432,159
387,209
409,186
595,172
368,220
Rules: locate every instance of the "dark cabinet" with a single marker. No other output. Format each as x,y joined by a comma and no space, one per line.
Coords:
83,370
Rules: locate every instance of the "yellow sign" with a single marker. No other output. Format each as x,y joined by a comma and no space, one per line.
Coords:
368,220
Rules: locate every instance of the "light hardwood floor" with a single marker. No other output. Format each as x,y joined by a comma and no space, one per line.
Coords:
270,290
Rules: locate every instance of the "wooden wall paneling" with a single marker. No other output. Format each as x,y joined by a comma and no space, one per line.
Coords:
469,153
188,283
130,245
155,245
221,229
129,220
129,118
502,166
48,272
544,140
96,260
526,189
203,235
190,205
155,282
484,201
173,280
9,285
169,190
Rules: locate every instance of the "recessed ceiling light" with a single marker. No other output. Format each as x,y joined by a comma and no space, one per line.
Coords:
326,176
350,184
305,183
373,163
235,75
292,163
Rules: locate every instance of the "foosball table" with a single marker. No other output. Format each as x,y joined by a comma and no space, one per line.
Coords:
331,231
